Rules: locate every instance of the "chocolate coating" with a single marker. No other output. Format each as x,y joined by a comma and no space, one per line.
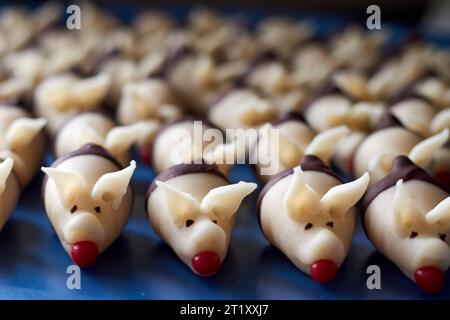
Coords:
171,60
408,92
288,116
309,163
262,57
180,170
388,120
87,149
328,88
405,169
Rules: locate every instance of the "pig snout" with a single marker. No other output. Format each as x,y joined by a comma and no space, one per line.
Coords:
433,256
323,252
208,243
85,233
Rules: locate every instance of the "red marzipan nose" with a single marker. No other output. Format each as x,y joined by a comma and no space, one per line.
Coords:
84,253
323,271
144,154
444,176
429,279
206,263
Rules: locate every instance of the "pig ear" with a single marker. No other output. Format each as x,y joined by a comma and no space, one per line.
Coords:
86,134
120,139
366,113
255,110
422,153
181,205
339,199
224,201
22,131
440,214
380,164
301,200
5,170
440,121
406,215
324,143
69,184
290,154
88,92
111,187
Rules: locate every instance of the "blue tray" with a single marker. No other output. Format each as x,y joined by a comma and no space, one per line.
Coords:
139,266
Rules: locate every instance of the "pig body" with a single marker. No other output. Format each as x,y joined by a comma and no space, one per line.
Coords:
416,114
148,100
9,190
59,97
22,139
241,109
376,152
88,200
187,140
406,218
98,128
309,215
192,208
332,106
295,139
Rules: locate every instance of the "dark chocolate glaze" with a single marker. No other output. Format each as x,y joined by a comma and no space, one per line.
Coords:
171,61
87,149
181,170
309,163
409,91
403,168
328,88
102,112
288,116
235,86
388,120
265,56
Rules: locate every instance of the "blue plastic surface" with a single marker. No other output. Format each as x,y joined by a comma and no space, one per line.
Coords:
139,266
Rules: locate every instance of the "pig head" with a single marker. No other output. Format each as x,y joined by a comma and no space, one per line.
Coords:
415,236
22,139
316,221
199,231
88,208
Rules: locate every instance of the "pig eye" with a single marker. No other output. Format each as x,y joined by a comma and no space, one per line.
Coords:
73,209
443,237
189,223
413,235
308,226
98,209
330,224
